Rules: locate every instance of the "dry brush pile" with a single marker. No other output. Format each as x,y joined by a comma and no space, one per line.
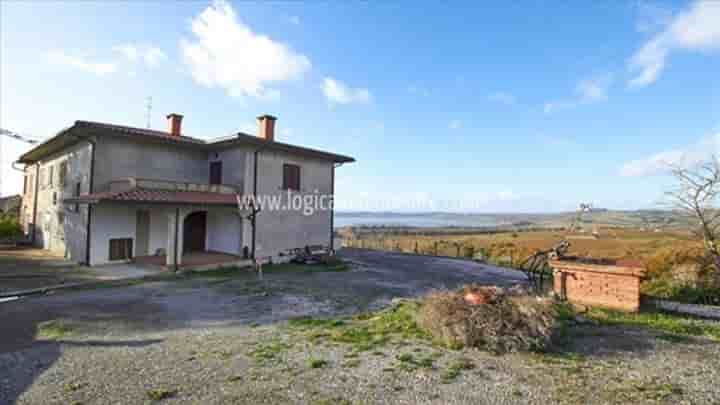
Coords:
491,318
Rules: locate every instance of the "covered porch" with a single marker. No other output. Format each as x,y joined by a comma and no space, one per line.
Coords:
195,261
173,226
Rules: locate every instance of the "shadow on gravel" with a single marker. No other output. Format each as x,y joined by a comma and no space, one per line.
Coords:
615,341
19,370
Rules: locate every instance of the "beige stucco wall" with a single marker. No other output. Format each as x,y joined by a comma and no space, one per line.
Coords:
59,228
119,157
280,230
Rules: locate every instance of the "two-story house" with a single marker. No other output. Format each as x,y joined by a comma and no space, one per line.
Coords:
101,193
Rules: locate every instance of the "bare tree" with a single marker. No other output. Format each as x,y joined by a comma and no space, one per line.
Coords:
695,197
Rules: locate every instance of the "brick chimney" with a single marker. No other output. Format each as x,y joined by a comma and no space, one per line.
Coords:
174,124
266,127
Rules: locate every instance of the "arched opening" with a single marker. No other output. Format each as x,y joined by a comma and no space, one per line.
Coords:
195,232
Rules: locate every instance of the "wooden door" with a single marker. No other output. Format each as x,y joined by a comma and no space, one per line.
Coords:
142,233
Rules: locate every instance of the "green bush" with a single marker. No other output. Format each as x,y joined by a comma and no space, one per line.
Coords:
9,228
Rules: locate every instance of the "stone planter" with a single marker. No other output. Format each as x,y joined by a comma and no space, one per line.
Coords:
598,282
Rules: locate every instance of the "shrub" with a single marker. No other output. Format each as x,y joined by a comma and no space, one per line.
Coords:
509,321
9,227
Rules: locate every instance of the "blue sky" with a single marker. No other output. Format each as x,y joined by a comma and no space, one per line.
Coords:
492,107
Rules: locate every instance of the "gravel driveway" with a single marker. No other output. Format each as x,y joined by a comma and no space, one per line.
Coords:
218,340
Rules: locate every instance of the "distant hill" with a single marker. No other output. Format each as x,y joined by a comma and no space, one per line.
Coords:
640,219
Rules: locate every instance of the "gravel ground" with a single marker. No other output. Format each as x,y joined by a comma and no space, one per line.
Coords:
224,341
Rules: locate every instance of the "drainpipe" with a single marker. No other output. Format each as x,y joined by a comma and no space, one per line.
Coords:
35,202
253,220
88,232
177,220
332,206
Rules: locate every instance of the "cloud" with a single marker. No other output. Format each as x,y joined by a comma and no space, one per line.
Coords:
226,53
502,98
60,58
455,124
695,29
587,91
150,55
651,17
661,163
338,93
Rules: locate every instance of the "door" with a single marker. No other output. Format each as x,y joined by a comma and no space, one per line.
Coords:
194,232
142,233
216,173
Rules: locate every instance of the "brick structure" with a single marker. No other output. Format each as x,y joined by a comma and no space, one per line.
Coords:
607,284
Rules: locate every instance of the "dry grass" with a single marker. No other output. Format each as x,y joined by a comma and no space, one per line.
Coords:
510,321
511,248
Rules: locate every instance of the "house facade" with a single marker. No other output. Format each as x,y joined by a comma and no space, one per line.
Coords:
101,193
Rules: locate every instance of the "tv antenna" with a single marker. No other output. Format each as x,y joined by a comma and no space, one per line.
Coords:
148,110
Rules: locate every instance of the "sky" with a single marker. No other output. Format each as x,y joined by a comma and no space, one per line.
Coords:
527,106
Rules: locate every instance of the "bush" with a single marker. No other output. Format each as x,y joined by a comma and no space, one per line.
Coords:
509,321
682,274
9,228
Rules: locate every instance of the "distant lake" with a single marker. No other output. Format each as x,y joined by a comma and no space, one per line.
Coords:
417,220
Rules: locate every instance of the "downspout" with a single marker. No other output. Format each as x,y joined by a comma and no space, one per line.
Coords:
177,220
332,206
35,202
88,232
253,221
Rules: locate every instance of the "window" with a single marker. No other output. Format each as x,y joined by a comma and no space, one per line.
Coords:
76,194
216,173
54,197
120,249
43,177
62,173
291,177
51,176
25,182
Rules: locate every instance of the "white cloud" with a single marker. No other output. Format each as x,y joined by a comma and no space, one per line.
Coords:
695,29
651,17
226,53
150,55
660,163
502,98
587,91
60,58
339,93
455,124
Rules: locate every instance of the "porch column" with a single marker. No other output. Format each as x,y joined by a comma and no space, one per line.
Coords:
174,241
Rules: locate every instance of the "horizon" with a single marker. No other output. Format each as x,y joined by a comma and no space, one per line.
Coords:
485,109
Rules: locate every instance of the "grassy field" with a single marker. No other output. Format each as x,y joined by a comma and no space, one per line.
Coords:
512,247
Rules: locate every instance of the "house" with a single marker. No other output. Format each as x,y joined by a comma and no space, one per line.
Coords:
102,193
10,205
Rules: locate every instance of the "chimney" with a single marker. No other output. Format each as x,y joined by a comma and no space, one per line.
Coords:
266,127
174,124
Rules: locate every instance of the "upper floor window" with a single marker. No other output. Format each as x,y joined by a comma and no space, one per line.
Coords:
62,173
291,177
215,172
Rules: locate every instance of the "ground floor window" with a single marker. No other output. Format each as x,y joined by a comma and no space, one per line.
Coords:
121,249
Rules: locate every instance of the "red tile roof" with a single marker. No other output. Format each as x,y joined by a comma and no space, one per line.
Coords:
147,196
60,141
